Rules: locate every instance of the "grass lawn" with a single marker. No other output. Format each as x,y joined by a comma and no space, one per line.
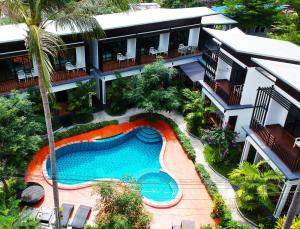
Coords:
225,167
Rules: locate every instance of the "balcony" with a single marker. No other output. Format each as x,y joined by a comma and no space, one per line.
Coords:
229,93
60,76
281,143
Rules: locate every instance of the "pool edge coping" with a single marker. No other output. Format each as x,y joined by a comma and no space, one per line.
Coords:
166,204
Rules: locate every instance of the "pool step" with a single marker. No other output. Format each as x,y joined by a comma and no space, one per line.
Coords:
148,135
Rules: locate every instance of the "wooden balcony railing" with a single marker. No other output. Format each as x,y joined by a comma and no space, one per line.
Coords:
229,93
10,85
280,142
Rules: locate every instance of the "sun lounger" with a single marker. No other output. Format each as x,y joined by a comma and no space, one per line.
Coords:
66,213
81,217
44,216
188,224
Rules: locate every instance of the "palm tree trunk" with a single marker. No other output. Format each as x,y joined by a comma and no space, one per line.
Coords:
50,135
5,187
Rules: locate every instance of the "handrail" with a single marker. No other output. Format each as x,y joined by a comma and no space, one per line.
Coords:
270,140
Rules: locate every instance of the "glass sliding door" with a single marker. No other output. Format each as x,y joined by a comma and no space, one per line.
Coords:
59,62
146,44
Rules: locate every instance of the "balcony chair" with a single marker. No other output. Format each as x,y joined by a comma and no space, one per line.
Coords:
237,89
153,51
34,72
120,57
297,142
70,67
130,57
21,75
182,49
193,49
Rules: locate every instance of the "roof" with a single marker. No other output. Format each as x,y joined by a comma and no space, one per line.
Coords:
217,19
16,32
288,73
193,70
258,46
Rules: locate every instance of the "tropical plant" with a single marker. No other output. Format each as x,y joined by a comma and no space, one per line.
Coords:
19,135
117,96
151,91
286,28
221,137
254,13
295,225
41,44
257,183
80,101
195,109
121,207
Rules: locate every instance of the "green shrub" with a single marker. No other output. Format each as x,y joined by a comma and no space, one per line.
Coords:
211,154
185,142
82,129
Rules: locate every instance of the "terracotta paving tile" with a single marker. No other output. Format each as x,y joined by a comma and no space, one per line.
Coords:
196,203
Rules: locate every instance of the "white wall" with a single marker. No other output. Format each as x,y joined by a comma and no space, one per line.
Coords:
131,48
276,114
95,54
244,118
254,79
223,70
164,42
80,57
194,37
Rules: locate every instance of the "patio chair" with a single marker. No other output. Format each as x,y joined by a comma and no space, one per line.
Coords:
297,142
21,75
152,51
34,72
81,217
67,210
188,224
45,216
120,57
70,67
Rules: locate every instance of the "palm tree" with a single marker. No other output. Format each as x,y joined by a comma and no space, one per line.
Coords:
195,109
295,225
256,185
41,44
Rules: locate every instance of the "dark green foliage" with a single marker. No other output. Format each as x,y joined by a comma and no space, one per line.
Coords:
220,209
10,216
151,91
80,100
212,156
121,207
19,133
221,137
188,3
253,13
82,129
180,135
116,96
195,110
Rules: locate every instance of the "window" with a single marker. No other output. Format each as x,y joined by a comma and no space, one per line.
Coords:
179,37
62,58
111,49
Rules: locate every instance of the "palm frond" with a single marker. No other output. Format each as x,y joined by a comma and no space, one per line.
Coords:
16,10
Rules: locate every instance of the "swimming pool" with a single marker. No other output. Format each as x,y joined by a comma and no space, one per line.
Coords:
135,154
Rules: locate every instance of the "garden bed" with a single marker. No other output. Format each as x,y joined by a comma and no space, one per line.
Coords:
223,167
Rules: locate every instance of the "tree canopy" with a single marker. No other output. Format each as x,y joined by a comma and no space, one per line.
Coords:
19,133
151,90
253,13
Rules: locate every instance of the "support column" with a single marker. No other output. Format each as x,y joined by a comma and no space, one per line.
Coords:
246,150
282,199
103,92
98,89
257,158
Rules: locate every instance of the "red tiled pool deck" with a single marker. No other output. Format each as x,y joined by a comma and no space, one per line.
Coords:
196,204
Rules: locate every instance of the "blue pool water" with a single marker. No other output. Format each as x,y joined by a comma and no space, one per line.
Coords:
131,155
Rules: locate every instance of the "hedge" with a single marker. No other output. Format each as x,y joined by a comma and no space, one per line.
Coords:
220,209
185,142
79,129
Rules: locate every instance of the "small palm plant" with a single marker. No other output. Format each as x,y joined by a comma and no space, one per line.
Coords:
195,109
256,185
295,225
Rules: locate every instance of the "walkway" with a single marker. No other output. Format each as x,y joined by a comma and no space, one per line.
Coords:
225,188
